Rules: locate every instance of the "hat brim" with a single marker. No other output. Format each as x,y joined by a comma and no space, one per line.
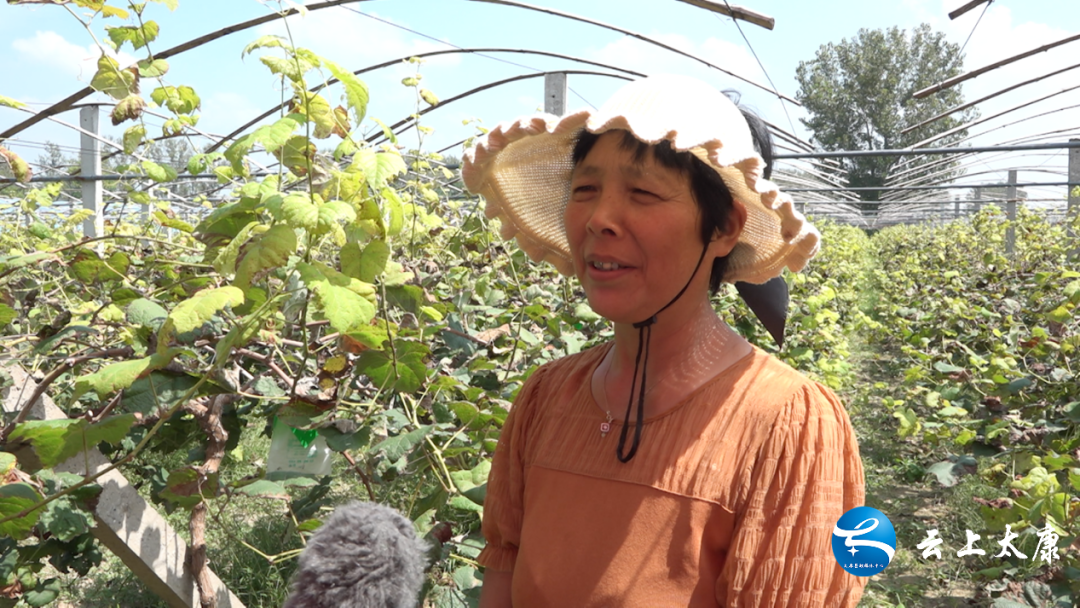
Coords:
523,170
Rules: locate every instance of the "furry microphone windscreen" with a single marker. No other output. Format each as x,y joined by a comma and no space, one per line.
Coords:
364,556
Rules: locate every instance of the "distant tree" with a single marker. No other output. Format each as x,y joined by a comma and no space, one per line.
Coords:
858,94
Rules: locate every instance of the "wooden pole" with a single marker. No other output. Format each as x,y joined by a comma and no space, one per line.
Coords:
967,7
993,66
555,93
737,12
90,160
1010,211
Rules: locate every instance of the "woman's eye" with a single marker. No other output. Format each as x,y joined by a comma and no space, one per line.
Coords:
645,193
582,189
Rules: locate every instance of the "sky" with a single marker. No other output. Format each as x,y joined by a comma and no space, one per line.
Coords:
46,54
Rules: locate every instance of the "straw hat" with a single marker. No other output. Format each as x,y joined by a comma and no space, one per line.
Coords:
523,170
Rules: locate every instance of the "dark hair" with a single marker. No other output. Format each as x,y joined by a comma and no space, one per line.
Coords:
711,194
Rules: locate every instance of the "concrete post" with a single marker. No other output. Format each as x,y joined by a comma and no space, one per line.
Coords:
128,525
1074,189
555,93
90,158
1010,212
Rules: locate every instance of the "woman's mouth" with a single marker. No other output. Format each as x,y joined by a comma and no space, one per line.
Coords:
607,265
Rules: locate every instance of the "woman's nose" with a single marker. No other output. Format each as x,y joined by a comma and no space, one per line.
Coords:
606,215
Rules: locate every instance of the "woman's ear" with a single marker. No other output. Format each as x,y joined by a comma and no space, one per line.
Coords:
726,237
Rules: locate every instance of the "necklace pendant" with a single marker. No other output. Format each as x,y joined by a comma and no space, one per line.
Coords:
605,426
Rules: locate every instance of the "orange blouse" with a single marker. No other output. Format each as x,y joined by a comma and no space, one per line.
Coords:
730,501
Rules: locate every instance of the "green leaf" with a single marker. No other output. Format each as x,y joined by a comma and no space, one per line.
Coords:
268,250
265,42
44,593
225,261
1018,385
341,442
138,36
55,441
15,498
65,520
404,373
7,315
947,368
349,257
398,446
395,210
264,488
473,484
113,81
948,472
346,302
373,260
238,151
371,336
332,212
179,100
161,390
7,463
318,111
1059,315
172,222
378,168
158,173
153,68
297,154
193,312
134,136
146,313
274,136
47,345
356,92
298,211
116,376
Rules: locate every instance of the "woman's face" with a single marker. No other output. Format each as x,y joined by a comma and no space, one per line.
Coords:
634,233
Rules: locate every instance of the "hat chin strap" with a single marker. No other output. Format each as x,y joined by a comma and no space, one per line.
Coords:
644,337
768,302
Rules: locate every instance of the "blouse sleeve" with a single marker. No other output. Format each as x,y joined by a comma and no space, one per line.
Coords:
807,475
503,503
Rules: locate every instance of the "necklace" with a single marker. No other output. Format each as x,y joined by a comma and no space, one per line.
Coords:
605,426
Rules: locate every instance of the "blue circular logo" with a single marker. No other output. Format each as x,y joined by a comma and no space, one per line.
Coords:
863,541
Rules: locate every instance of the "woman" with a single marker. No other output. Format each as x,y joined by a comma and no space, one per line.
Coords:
725,487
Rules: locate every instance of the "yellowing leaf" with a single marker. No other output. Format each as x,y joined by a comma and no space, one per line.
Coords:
298,211
113,81
155,68
373,260
346,302
113,11
158,173
268,250
190,314
129,108
19,167
378,167
274,136
356,92
11,103
429,97
116,376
